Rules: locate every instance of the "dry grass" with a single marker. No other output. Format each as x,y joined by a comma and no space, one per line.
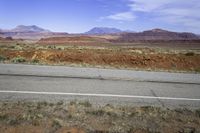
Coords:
82,116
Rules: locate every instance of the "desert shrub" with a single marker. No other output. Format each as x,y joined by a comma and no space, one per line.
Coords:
198,112
3,117
12,47
35,61
197,70
52,47
9,38
60,103
3,46
59,48
74,102
57,123
13,121
2,58
85,104
99,112
190,54
18,60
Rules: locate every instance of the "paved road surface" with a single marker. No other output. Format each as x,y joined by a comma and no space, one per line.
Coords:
99,86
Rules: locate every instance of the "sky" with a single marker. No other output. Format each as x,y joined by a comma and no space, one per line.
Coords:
77,16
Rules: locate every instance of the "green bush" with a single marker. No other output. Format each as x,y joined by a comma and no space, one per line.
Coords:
18,60
197,70
51,47
190,54
59,48
35,61
3,117
2,58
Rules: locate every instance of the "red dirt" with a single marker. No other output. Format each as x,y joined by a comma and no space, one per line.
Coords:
108,57
73,40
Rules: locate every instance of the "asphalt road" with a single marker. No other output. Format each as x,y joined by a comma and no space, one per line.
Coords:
99,86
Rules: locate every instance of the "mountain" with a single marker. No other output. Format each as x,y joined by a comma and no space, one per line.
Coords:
32,28
35,32
29,32
103,30
156,35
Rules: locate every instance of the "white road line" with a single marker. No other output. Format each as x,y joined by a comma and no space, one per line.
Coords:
99,95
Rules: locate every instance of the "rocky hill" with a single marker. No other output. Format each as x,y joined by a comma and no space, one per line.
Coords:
156,35
30,32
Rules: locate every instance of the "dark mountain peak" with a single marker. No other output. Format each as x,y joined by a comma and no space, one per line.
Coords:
20,26
31,28
28,26
103,30
157,30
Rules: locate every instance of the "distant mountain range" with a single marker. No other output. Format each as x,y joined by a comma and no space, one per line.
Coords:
29,32
103,30
27,29
156,34
35,32
32,28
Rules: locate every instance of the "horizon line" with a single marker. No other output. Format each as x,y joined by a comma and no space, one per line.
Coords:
122,30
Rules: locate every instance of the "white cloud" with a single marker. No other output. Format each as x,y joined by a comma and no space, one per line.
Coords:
181,13
123,16
191,23
184,13
147,5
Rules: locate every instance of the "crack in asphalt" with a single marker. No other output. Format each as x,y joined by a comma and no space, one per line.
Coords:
154,94
98,78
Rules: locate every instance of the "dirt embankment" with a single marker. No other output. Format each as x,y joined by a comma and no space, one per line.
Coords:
147,59
81,117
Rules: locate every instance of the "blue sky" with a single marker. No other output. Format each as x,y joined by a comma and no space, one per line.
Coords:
75,16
